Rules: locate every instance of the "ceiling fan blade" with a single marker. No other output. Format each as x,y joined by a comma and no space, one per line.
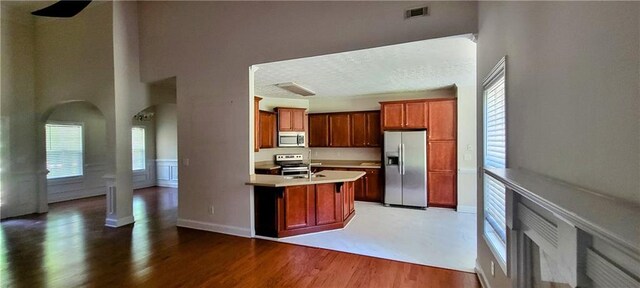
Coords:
63,8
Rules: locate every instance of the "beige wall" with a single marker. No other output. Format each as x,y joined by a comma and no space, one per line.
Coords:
166,119
212,69
573,103
17,108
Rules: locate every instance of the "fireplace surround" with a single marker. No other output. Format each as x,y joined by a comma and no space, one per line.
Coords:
560,235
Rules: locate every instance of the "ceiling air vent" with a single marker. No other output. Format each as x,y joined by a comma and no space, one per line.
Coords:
416,12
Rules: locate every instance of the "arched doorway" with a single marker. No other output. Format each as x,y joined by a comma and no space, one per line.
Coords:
75,144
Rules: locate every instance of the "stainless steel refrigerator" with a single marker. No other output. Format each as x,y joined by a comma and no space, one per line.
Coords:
405,156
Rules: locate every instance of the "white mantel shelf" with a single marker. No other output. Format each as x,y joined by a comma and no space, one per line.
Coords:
607,217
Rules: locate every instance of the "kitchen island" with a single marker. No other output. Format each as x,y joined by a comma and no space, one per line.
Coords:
287,205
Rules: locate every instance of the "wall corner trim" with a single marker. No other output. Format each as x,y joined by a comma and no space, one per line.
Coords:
483,279
213,227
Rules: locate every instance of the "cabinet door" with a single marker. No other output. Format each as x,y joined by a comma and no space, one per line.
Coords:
352,204
359,187
442,189
373,186
298,209
318,130
442,120
297,120
256,124
284,120
328,203
267,129
392,115
416,114
442,156
358,130
339,130
373,129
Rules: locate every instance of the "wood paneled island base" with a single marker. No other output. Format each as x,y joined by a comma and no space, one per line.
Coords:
301,209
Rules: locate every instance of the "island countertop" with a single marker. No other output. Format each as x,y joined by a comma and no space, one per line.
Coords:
322,178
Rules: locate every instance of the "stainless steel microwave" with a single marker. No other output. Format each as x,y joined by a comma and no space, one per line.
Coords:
290,139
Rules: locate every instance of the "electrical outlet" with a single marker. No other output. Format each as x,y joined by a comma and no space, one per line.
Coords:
185,161
493,269
211,210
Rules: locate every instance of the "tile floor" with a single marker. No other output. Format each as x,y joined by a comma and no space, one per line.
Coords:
435,237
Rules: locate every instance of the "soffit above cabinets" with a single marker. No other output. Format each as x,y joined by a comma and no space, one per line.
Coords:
415,66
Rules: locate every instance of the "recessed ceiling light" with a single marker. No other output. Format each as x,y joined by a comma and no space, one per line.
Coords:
295,88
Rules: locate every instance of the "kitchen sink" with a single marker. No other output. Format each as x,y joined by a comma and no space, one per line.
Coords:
304,176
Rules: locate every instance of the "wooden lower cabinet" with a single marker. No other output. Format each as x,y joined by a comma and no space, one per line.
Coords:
297,207
442,189
328,204
369,187
294,210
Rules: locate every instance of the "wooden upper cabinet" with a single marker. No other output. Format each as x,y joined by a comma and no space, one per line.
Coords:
359,130
297,120
392,115
339,130
267,129
352,129
415,114
410,114
373,129
290,119
442,120
256,123
318,130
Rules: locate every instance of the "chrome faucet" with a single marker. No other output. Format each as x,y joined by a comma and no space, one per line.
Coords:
309,166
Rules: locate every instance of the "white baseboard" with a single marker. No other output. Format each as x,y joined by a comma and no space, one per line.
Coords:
483,279
467,209
168,184
212,227
114,222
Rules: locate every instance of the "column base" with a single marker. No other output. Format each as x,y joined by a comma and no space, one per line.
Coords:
115,222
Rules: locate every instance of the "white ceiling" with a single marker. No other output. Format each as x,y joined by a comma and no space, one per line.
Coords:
414,66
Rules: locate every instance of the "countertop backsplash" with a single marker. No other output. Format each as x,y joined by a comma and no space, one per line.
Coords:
366,154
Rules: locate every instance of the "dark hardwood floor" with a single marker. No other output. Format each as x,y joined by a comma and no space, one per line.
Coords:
70,247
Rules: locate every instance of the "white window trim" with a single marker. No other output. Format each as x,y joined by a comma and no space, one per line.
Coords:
498,70
143,170
68,179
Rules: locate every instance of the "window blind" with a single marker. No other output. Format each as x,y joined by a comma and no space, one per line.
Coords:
495,157
138,148
64,150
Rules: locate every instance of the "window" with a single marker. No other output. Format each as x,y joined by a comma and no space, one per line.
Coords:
495,157
138,148
64,150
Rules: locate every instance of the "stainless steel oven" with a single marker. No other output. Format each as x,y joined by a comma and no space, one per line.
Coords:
290,139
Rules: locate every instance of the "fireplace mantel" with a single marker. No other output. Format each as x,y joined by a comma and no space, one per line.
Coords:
595,237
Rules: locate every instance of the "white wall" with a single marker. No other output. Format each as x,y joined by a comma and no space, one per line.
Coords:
166,119
211,65
167,145
95,149
19,192
573,95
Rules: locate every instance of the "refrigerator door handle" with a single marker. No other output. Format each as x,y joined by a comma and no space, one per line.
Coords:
403,169
400,159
